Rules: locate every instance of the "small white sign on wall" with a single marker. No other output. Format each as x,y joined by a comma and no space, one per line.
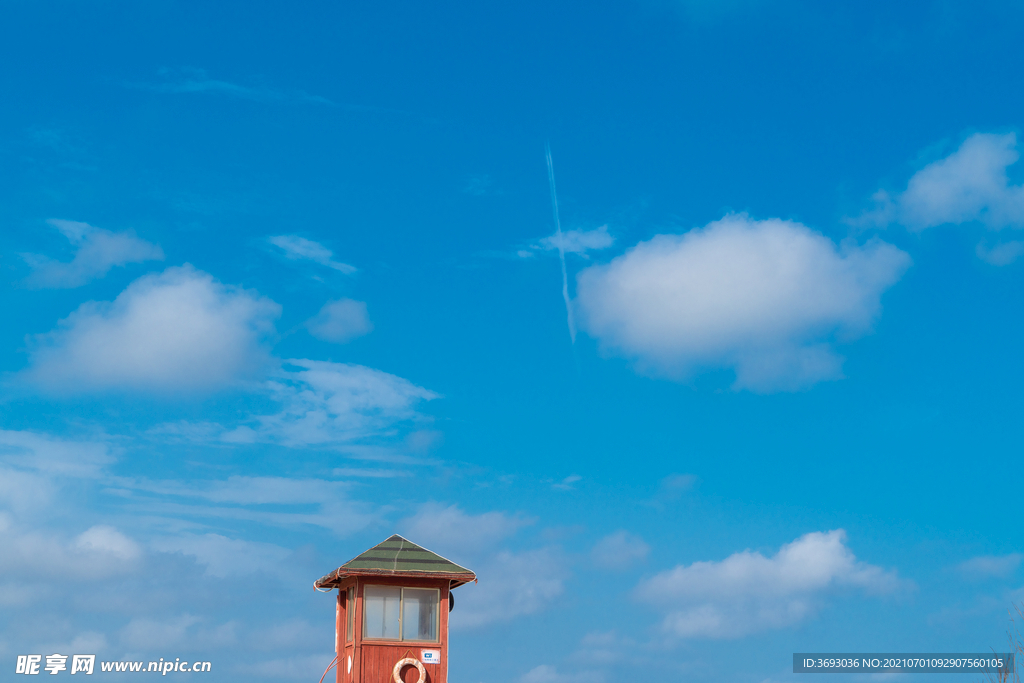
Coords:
430,656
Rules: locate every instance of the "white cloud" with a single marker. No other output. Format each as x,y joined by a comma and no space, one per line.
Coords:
224,557
579,241
324,402
748,592
340,321
970,185
98,251
447,529
180,330
106,540
298,248
97,553
1000,566
619,551
54,541
765,298
39,477
571,241
513,585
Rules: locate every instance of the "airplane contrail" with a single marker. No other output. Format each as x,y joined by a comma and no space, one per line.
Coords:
561,247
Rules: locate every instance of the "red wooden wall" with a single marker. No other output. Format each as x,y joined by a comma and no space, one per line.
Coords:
374,660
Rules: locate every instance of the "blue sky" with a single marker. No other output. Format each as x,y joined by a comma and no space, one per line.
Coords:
279,281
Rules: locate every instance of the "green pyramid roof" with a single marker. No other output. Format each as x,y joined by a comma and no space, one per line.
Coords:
398,556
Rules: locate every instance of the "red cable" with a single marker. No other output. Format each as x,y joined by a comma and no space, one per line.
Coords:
331,666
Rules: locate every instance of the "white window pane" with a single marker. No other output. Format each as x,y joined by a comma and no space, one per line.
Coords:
420,619
381,606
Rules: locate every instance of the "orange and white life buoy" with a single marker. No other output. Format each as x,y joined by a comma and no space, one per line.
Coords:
396,675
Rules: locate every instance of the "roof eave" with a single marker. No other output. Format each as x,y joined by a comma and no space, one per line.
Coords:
334,578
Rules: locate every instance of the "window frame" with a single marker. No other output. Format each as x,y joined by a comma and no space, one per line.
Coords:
401,614
350,614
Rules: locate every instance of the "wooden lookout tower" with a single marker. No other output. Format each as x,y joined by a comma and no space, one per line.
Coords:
392,613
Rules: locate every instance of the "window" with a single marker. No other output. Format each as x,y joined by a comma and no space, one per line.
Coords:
382,606
350,613
394,613
419,614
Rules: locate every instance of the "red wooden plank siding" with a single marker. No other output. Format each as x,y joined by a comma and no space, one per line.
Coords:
373,661
379,663
344,645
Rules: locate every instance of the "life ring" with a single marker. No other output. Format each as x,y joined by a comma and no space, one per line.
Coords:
396,674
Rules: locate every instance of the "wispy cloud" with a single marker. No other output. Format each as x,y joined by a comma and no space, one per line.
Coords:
271,501
988,566
568,483
97,251
449,527
222,556
191,80
671,488
579,242
353,409
297,248
479,185
518,583
54,456
1002,254
187,80
619,551
369,473
332,403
